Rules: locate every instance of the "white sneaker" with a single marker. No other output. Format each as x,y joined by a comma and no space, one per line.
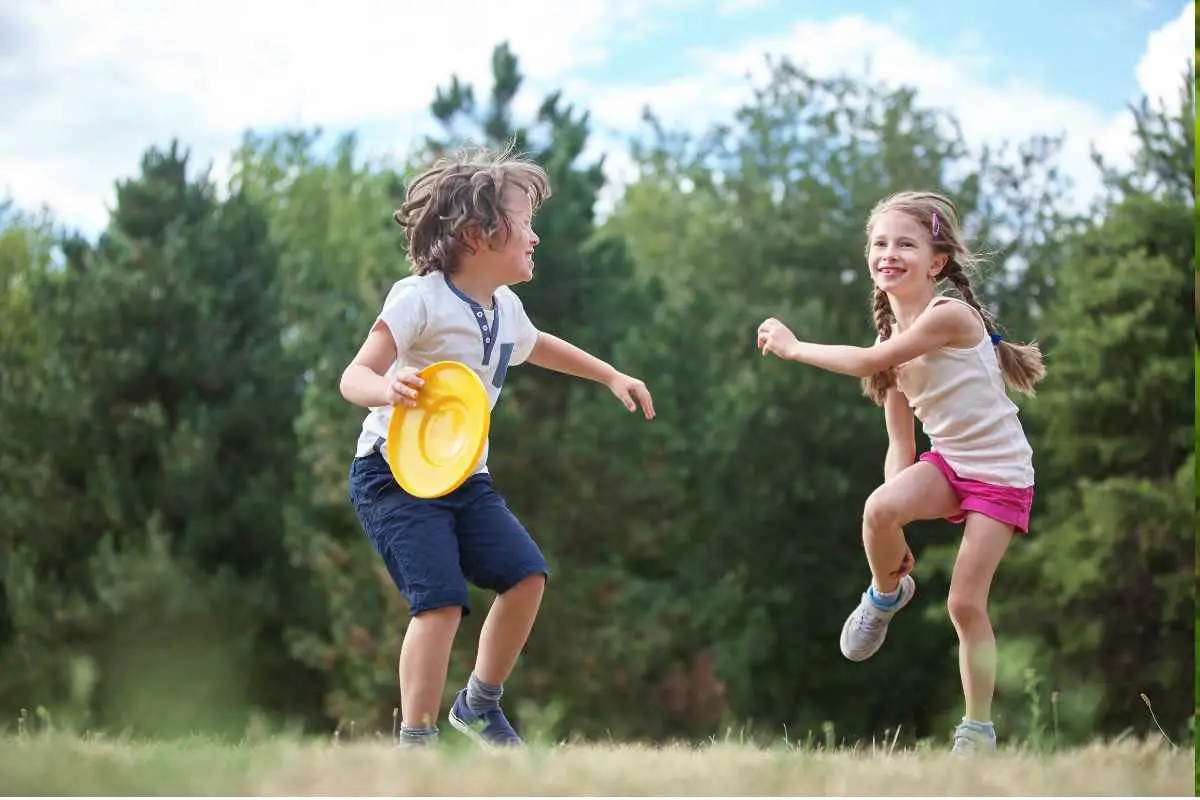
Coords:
866,627
970,741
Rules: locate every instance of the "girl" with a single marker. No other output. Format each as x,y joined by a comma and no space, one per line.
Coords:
941,359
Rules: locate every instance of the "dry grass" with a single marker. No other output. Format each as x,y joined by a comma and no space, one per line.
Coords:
65,765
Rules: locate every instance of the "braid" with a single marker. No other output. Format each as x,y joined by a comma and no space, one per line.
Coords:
876,386
1021,363
954,273
938,216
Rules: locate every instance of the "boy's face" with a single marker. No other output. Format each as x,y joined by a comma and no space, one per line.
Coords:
511,261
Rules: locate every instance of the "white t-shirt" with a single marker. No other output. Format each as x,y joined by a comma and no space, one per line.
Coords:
431,320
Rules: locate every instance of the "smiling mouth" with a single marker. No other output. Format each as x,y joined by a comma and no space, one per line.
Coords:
891,270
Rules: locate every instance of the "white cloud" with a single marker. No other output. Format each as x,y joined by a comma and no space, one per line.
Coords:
947,78
1160,72
728,8
94,83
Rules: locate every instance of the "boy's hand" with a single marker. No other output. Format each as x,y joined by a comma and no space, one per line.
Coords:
632,393
775,338
403,388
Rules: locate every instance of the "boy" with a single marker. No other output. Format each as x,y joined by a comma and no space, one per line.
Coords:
469,224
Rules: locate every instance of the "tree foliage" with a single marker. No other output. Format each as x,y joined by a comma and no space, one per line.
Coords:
179,551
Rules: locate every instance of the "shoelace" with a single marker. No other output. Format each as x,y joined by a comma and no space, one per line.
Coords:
868,622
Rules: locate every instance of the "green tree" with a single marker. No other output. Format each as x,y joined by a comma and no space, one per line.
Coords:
1106,581
162,435
329,216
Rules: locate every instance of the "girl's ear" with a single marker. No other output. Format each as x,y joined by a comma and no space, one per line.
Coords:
939,266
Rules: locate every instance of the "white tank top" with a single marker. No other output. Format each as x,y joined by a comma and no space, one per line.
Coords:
958,394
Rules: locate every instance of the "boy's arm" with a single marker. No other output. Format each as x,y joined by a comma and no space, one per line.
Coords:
364,382
559,355
552,353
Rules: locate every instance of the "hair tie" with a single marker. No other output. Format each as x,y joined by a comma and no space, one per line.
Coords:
935,225
997,338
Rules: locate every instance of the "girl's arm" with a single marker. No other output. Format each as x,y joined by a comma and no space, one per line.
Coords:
943,325
902,440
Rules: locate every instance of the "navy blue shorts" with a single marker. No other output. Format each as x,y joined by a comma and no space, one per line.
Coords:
433,547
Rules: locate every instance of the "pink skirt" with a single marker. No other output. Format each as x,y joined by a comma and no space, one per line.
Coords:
1006,504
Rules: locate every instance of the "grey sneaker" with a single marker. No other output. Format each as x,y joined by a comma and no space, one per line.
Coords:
866,627
970,741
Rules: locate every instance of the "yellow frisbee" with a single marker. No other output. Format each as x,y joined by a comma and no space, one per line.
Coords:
433,447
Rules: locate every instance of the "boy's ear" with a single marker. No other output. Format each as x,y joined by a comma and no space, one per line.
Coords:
474,239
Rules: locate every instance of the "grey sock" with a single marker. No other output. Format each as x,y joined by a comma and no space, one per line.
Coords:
482,696
412,735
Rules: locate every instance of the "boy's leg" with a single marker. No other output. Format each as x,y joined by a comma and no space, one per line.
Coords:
918,492
416,540
424,661
500,555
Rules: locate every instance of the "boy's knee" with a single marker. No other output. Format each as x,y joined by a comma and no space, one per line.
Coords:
446,612
526,582
449,606
532,583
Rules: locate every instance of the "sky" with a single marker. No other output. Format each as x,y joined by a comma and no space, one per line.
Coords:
86,86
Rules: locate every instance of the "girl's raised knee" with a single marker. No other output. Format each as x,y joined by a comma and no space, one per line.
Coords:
880,510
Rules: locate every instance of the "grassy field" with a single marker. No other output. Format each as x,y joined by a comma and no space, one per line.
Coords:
68,765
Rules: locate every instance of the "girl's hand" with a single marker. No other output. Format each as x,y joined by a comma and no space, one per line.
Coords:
907,564
775,338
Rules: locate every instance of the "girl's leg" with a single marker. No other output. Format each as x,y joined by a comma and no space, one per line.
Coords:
918,492
983,546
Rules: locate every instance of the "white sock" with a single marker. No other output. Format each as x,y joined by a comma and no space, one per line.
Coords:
885,600
981,727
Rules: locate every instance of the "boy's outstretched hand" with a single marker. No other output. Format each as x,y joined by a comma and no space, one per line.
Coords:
632,393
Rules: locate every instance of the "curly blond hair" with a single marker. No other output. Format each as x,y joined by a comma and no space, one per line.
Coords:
463,193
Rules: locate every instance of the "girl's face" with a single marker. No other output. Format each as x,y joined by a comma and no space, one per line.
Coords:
900,255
